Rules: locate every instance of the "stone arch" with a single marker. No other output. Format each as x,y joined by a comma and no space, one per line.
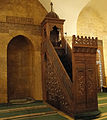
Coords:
20,63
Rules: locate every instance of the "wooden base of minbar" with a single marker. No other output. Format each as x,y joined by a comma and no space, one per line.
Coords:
88,115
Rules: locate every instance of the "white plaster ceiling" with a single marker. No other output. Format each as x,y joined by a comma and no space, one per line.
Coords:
68,10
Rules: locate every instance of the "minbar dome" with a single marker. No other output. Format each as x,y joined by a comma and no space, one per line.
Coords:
52,15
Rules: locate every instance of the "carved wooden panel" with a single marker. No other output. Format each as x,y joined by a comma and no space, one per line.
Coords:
80,81
85,82
84,50
91,82
85,41
65,79
54,90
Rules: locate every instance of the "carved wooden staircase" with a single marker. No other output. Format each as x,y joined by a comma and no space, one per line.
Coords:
58,85
63,90
69,75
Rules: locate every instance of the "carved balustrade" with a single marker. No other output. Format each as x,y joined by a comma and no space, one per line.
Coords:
58,86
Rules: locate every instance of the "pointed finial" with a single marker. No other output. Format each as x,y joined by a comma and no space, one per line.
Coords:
51,6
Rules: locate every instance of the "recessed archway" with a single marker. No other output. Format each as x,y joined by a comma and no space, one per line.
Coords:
20,64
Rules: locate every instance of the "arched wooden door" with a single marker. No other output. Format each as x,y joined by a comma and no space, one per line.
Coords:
19,68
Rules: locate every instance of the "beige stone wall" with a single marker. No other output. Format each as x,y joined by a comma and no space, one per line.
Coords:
21,17
22,8
92,23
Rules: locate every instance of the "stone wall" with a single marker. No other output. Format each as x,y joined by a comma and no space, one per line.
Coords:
21,18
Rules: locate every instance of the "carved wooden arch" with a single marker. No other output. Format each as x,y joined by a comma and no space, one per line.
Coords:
57,25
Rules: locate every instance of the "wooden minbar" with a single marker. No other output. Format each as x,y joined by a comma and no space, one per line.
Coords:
68,75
